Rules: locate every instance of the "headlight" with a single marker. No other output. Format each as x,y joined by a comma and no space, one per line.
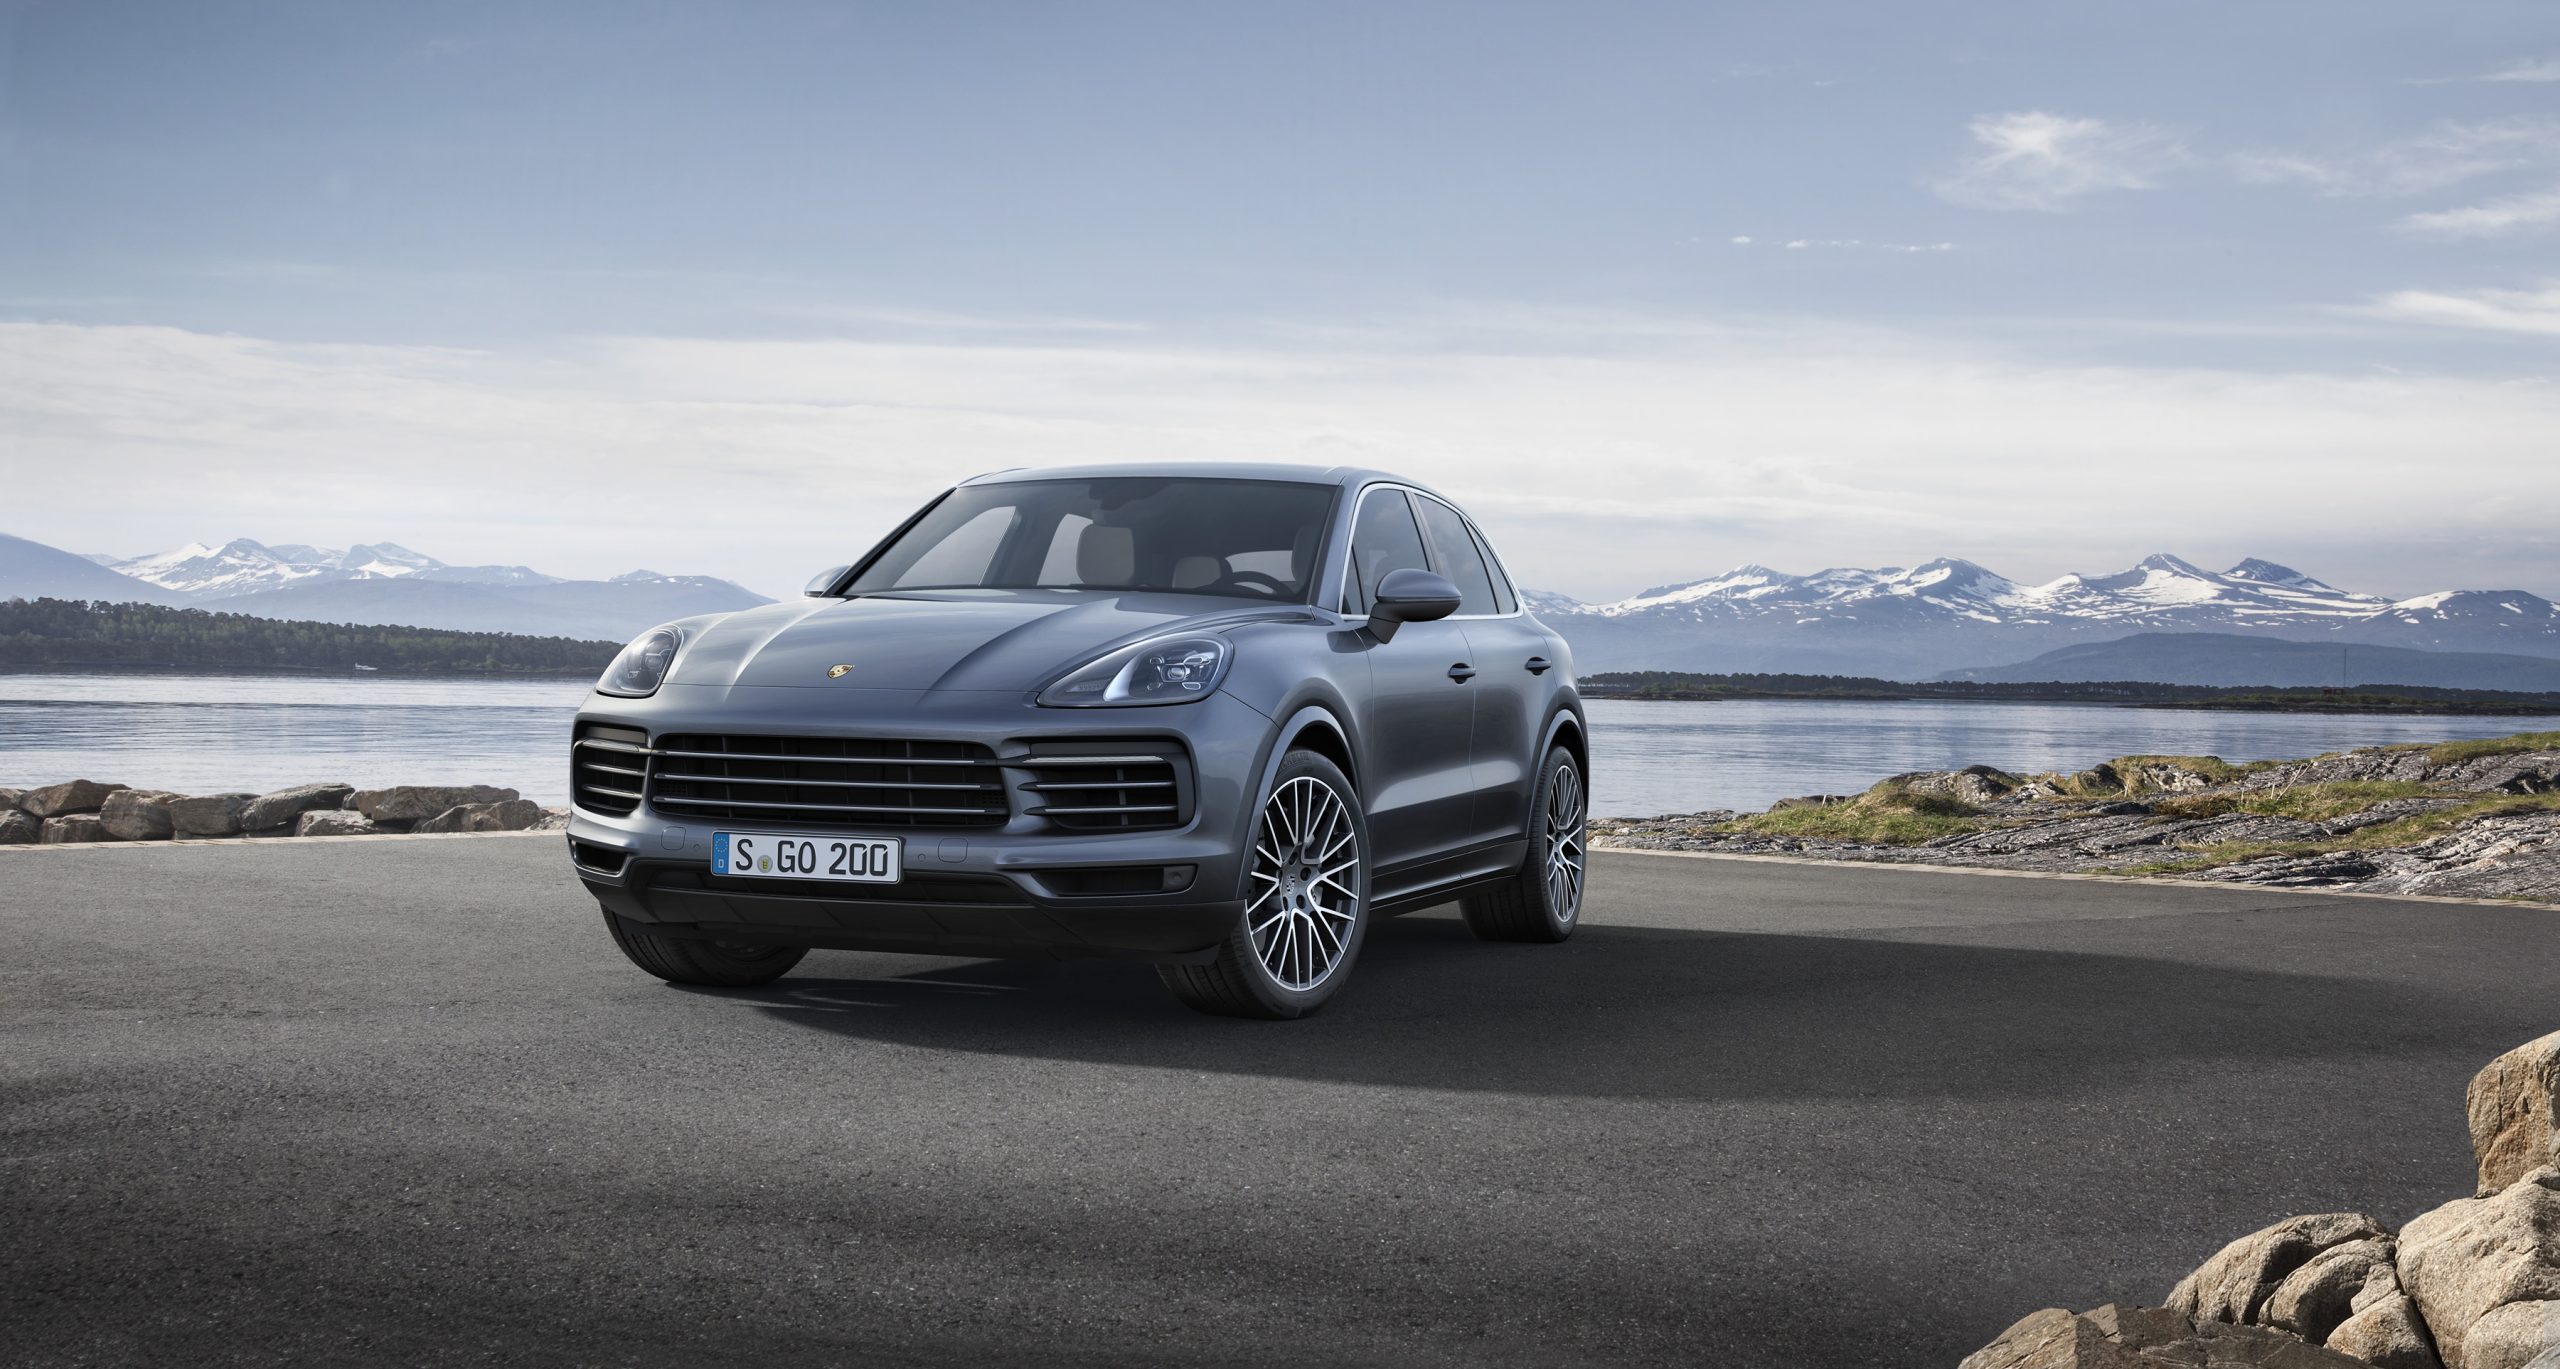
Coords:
642,666
1166,670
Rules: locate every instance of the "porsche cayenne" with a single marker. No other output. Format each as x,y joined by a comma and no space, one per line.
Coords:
1218,718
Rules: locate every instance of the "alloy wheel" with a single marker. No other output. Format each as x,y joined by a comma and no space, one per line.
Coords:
1563,841
1306,872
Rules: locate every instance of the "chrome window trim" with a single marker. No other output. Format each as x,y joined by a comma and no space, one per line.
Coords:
1342,581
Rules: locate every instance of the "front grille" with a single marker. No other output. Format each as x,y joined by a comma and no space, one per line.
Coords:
608,768
1118,789
827,781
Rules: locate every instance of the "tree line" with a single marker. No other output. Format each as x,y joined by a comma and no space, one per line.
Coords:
2385,698
76,632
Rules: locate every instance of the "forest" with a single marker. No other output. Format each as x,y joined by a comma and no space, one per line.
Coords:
64,632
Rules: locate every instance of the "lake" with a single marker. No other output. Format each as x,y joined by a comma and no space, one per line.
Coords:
213,733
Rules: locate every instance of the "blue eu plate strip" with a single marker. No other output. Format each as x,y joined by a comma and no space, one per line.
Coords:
719,853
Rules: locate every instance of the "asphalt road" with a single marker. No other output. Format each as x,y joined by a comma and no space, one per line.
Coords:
401,1101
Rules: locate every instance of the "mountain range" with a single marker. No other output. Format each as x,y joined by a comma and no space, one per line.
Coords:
1952,615
379,583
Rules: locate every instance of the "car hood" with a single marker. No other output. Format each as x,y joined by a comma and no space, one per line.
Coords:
969,639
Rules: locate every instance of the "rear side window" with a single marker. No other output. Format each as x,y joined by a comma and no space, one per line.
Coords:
1382,539
1454,555
1503,599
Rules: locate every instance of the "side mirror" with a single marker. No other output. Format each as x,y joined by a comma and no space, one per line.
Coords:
824,581
1410,596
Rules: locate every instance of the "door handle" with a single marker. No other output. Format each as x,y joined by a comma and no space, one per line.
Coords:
1540,665
1462,672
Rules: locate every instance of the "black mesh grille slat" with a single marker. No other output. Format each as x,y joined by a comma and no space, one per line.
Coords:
827,781
1109,793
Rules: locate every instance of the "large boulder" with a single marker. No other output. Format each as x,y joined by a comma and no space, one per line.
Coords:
208,815
418,802
73,796
9,798
2313,1300
507,815
1975,784
2519,1335
2473,1256
2515,1113
19,829
73,827
137,814
2236,1283
2115,1337
2388,1334
332,822
282,807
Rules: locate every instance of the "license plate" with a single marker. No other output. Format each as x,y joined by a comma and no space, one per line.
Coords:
790,855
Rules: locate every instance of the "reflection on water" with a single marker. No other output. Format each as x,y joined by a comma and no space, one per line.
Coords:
210,733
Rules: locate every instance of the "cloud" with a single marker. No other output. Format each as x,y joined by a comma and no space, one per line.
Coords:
1691,442
2541,69
2505,311
2039,161
2527,213
2446,155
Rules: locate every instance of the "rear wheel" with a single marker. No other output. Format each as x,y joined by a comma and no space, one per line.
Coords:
720,964
1306,902
1543,901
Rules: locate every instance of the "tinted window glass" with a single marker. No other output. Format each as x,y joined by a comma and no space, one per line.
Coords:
1503,599
1250,539
1454,555
1383,539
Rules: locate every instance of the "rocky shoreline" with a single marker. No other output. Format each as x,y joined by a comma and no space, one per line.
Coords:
82,811
2473,819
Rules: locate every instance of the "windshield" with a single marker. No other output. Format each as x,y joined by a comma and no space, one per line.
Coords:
1252,539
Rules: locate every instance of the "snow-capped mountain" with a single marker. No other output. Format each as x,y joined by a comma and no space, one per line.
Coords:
1953,614
242,566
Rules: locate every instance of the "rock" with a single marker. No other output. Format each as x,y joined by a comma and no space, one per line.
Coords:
2473,1256
137,814
510,815
63,831
9,798
280,808
2099,779
75,796
415,802
1975,784
18,829
2234,1284
2162,776
2314,1299
2520,1335
208,815
553,820
2515,1113
1809,801
2115,1337
333,822
2387,1333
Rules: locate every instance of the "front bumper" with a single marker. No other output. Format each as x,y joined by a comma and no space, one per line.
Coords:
1023,889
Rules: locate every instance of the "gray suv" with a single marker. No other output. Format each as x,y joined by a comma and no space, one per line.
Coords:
1217,718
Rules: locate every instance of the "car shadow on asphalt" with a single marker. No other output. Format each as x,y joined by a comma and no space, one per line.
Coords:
1631,1012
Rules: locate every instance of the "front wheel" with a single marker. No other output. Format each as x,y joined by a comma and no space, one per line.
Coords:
717,964
1306,902
1543,901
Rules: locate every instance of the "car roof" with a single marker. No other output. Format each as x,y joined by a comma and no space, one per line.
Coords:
1345,476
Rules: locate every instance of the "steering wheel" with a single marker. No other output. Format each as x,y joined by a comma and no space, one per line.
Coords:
1272,585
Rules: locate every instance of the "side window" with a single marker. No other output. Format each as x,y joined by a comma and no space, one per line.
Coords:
1504,601
965,558
1454,555
1383,538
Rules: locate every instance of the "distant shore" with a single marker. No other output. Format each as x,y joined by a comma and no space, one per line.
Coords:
1683,687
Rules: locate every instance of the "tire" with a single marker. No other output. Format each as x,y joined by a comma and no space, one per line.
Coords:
1298,937
714,963
1543,901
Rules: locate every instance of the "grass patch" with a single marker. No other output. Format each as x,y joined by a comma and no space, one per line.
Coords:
2408,831
2301,802
1882,816
2446,753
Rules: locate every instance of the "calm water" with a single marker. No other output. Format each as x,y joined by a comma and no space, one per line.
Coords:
214,733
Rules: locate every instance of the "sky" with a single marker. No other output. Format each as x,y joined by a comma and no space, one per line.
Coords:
1652,289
